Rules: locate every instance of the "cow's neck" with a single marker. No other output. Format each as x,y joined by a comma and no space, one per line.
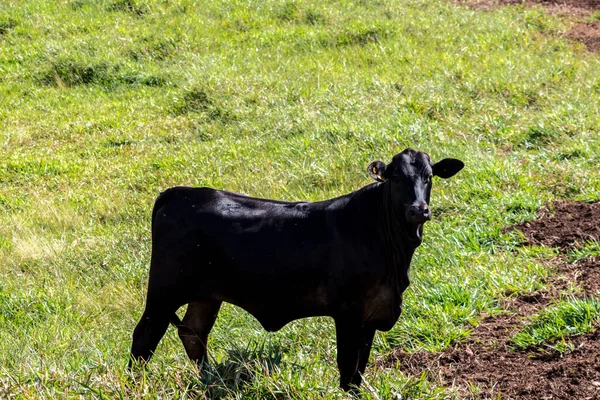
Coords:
394,223
400,238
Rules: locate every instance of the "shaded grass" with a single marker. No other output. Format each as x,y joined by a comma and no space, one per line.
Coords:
66,72
6,25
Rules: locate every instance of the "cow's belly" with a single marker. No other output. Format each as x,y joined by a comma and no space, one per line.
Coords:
273,322
275,311
273,317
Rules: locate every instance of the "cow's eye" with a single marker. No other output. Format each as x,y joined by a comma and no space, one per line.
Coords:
428,179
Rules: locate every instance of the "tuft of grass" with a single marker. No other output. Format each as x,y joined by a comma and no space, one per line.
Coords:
595,16
361,36
294,12
135,7
553,326
7,25
197,101
69,72
588,249
194,100
540,136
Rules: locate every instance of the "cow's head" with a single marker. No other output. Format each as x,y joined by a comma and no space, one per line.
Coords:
409,177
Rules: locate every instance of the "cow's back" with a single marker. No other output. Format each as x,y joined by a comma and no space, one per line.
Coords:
247,251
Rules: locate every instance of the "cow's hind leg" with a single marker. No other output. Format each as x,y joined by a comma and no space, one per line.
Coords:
148,332
196,325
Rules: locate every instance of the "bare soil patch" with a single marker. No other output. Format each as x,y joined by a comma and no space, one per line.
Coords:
566,225
573,7
587,32
585,272
576,8
570,7
485,366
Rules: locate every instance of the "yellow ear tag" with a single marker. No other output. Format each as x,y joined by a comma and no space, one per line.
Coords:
374,171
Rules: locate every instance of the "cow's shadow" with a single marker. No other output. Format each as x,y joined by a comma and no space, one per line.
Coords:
242,366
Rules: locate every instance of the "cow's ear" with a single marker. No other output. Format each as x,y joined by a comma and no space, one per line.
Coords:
377,171
447,167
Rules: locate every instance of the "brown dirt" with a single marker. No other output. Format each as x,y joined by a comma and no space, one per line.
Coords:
485,366
588,33
585,272
565,225
498,372
568,6
577,10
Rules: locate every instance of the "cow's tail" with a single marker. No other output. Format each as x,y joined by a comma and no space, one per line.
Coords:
161,200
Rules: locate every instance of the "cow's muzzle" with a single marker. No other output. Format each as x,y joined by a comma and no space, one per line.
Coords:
418,214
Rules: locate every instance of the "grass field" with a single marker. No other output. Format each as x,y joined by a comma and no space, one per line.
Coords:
103,104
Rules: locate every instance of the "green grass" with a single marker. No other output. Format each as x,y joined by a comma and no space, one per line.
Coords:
588,249
594,17
552,327
103,104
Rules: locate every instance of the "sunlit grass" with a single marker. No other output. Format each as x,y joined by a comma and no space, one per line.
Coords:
552,327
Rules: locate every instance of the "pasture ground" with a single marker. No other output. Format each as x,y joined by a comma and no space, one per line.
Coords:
492,363
104,103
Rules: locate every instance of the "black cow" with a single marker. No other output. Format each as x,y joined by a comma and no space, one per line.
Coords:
347,258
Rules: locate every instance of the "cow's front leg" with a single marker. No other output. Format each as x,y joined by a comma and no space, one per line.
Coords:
348,337
364,350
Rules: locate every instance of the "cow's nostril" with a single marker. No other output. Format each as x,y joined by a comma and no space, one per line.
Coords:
418,213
